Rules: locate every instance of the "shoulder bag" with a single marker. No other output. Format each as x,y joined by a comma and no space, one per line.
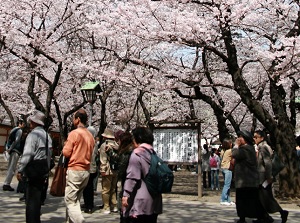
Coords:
58,184
231,165
38,168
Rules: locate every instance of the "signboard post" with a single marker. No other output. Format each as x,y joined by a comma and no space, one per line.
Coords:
180,145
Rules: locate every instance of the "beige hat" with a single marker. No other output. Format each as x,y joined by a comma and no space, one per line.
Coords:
37,117
108,133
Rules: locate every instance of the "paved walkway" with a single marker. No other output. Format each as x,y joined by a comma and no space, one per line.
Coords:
175,211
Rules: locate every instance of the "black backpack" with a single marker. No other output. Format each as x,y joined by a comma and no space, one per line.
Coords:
160,177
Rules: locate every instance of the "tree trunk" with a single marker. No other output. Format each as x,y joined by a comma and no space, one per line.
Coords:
8,111
281,130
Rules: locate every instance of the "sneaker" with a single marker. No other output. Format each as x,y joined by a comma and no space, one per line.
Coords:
284,215
105,212
232,203
225,203
8,188
115,210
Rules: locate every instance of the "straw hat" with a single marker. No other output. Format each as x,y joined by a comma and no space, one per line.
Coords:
37,117
108,133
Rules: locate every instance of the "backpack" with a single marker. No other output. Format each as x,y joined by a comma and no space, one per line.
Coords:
160,178
11,138
114,160
213,162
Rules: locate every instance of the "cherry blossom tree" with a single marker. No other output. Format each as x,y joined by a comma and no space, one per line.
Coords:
158,60
251,50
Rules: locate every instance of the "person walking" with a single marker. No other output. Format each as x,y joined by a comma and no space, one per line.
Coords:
246,178
37,147
205,167
15,149
226,155
95,183
123,154
88,192
125,150
108,172
78,149
138,205
264,160
214,163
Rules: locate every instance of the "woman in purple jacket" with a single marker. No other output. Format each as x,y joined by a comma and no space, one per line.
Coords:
138,205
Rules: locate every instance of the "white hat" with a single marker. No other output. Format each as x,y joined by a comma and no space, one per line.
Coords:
108,134
37,117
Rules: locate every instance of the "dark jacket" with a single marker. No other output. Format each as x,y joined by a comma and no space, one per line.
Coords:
123,163
245,172
18,143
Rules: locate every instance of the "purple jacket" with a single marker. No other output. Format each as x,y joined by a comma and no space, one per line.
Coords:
140,201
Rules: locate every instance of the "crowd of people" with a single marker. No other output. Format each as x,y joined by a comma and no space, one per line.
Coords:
122,160
251,156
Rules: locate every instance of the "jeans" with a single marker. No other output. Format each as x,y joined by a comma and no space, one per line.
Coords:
214,176
227,174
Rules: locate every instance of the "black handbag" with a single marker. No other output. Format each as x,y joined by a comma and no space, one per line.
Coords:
277,165
38,168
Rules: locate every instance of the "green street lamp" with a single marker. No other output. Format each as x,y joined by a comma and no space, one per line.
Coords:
89,92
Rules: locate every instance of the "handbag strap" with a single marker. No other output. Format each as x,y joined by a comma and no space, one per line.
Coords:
46,144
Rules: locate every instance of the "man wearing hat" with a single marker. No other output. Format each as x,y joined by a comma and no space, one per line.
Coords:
109,176
78,149
37,147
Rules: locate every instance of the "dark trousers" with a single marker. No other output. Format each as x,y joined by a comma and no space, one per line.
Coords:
44,191
33,199
88,192
144,219
204,173
248,203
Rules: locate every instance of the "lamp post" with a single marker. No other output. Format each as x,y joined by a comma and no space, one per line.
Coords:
89,92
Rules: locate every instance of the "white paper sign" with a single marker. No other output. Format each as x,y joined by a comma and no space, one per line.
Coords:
176,145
